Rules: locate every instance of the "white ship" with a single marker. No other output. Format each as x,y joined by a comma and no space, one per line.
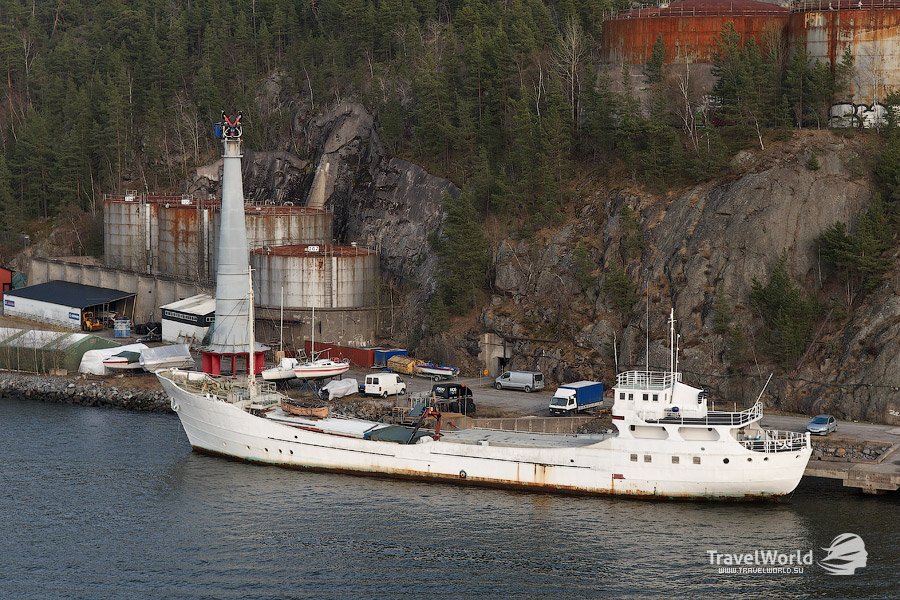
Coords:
669,444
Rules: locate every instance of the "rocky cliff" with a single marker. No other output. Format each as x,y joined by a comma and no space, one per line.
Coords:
712,239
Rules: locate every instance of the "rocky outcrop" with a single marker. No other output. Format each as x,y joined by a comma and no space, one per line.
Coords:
276,176
715,238
379,201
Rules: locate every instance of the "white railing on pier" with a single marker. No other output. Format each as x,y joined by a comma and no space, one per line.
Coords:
778,441
647,380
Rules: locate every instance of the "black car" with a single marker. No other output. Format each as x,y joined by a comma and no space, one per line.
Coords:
459,397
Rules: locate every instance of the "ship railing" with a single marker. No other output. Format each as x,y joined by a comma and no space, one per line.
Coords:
647,380
772,441
734,419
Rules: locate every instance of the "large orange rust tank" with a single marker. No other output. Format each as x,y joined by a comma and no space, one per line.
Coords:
690,29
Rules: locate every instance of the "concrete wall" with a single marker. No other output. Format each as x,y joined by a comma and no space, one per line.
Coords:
152,291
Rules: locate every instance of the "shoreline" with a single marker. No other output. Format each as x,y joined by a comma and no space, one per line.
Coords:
116,393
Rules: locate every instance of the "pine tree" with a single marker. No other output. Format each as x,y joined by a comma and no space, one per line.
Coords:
654,67
464,254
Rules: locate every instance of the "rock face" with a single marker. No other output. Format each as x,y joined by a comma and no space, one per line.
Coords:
378,201
714,238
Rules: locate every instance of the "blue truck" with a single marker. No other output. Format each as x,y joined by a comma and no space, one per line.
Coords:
571,398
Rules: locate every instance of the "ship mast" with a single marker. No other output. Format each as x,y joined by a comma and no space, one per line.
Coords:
251,341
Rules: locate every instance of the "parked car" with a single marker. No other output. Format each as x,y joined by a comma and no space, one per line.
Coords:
822,425
526,381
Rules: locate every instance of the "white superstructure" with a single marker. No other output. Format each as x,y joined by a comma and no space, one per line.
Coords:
668,444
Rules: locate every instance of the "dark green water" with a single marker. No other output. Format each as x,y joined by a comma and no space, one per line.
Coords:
101,503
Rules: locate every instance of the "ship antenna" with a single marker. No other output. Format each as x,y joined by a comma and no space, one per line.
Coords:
672,342
677,348
647,328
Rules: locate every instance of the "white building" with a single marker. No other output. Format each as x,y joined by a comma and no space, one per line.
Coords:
62,303
188,321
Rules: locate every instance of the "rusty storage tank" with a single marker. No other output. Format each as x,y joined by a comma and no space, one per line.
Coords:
278,225
183,233
690,29
324,276
129,242
869,28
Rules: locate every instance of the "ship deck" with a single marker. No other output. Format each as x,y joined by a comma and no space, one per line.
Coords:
519,439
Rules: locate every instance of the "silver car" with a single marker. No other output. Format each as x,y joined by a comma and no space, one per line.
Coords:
822,425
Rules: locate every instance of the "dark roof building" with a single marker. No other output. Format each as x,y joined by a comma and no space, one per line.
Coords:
62,302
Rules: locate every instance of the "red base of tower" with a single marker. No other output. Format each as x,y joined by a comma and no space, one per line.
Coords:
212,362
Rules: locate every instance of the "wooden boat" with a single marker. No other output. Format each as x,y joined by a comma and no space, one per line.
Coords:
305,409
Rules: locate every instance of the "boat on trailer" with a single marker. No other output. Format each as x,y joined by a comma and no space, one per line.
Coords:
669,444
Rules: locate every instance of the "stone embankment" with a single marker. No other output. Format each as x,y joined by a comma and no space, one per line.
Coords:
846,450
111,393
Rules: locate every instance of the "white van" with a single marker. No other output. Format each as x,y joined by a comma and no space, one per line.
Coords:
520,380
384,385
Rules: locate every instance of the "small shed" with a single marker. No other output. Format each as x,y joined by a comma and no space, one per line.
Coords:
35,351
188,320
63,302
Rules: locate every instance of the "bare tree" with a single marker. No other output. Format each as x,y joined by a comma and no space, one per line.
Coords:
568,60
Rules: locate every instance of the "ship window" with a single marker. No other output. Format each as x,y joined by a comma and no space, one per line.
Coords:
630,397
696,460
631,427
647,458
634,458
725,460
656,397
674,460
646,397
621,395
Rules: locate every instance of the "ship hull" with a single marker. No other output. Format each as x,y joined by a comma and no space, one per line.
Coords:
604,468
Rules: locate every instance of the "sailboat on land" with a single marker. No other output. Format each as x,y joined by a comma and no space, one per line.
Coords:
319,368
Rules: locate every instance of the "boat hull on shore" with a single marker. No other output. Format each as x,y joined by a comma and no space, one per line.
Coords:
606,467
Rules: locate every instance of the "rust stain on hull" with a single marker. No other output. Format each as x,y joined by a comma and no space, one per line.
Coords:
469,480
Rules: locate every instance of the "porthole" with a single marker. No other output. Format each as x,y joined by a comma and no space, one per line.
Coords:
766,458
279,451
291,451
749,459
266,449
725,460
